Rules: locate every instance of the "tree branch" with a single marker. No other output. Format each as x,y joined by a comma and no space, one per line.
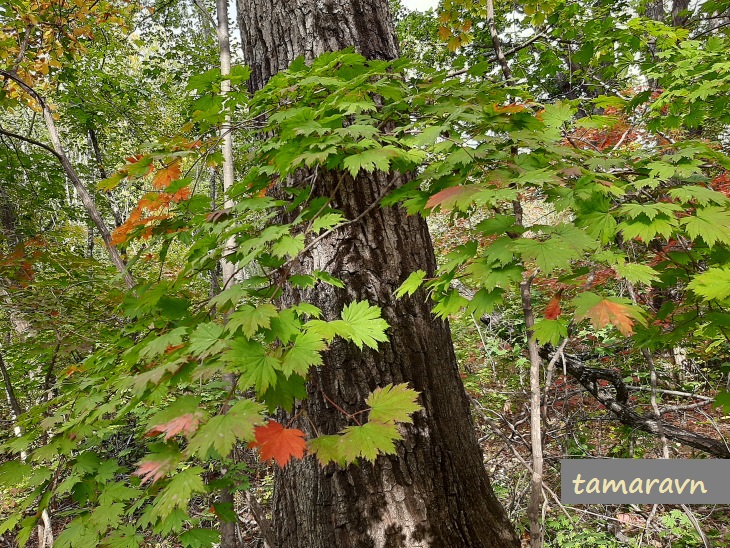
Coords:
29,141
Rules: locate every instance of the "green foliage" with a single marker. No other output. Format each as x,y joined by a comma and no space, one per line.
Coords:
642,214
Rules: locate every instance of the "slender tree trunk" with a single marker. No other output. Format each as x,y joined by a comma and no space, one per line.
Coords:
80,189
435,491
10,393
533,510
45,531
226,134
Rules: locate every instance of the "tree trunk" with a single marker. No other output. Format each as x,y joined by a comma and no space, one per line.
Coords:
435,491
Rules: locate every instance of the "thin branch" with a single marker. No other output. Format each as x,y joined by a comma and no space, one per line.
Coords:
30,141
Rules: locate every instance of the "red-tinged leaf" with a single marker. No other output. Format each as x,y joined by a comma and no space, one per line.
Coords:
152,470
279,443
187,424
133,159
182,194
602,311
218,215
552,310
166,175
448,197
444,32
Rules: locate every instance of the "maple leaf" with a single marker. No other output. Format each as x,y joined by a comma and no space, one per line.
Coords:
187,424
451,197
183,415
369,440
552,310
603,311
393,404
221,433
155,467
166,175
279,443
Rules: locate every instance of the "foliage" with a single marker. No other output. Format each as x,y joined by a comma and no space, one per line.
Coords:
629,210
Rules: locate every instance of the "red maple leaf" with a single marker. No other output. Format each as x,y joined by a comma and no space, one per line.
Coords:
187,424
552,310
279,443
448,197
153,470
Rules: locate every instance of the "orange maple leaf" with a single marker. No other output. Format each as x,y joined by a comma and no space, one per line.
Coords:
552,310
610,312
166,175
279,443
187,424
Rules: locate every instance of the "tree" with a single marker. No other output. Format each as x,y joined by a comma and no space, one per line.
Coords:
435,491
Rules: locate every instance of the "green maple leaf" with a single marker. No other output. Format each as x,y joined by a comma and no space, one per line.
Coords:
304,354
484,301
360,323
285,326
259,372
76,534
700,194
118,492
179,491
557,114
393,404
449,303
598,224
251,319
327,221
712,285
206,340
328,449
500,251
368,441
228,298
107,516
199,538
549,331
368,160
222,432
636,273
548,254
288,245
284,392
159,344
712,224
411,284
646,229
651,211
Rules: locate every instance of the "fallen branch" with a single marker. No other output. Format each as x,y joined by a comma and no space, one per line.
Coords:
614,397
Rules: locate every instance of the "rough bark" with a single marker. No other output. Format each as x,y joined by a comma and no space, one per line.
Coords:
435,491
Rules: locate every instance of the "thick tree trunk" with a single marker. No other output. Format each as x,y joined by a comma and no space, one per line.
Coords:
435,492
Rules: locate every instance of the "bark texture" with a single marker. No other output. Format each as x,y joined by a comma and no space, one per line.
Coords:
435,492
